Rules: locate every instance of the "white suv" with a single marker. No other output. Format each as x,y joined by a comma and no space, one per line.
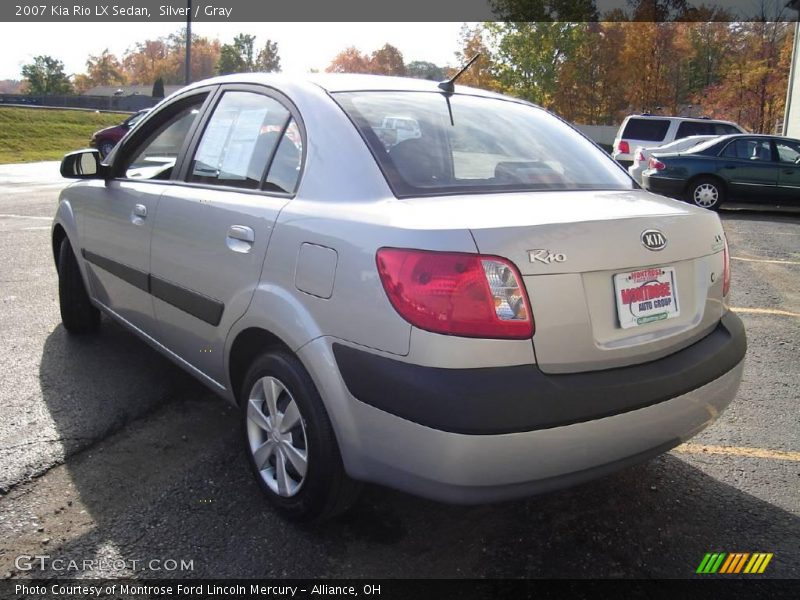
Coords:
649,130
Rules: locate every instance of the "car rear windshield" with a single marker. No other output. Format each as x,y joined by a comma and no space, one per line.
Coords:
651,130
429,143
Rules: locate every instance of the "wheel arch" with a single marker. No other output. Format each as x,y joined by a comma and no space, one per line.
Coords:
247,345
694,178
58,236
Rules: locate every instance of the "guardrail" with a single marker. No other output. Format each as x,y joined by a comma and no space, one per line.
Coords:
108,103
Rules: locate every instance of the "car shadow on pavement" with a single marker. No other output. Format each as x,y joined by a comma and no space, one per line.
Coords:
174,486
94,384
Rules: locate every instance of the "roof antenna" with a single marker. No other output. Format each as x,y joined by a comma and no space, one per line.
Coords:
448,85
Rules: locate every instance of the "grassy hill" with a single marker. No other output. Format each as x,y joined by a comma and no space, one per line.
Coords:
31,134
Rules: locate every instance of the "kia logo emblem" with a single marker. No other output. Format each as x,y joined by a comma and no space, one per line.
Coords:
653,239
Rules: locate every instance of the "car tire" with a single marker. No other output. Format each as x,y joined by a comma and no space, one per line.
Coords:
105,148
706,192
316,488
78,314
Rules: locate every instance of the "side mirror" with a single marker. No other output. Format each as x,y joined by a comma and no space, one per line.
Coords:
83,164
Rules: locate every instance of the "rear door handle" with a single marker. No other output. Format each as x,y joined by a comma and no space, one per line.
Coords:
729,167
788,171
242,233
240,238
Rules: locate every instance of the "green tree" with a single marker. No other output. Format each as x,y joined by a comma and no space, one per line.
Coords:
545,10
45,75
530,56
237,57
268,60
422,69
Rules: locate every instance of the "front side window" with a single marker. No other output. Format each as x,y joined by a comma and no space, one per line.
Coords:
156,157
788,152
465,144
239,140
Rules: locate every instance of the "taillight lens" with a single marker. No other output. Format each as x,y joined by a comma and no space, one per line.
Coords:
726,270
456,293
640,156
623,147
656,164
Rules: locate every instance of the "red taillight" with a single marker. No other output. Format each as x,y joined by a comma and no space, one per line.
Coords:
456,293
726,270
623,147
656,164
640,156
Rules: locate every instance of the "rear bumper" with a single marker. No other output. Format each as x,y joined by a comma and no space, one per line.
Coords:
500,400
663,185
471,468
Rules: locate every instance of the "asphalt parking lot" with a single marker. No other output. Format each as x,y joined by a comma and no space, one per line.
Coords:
108,451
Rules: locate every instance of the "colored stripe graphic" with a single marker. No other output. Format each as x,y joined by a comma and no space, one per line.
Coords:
734,563
711,562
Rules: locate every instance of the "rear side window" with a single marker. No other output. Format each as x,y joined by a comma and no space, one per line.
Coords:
687,128
725,129
651,130
239,140
757,150
470,144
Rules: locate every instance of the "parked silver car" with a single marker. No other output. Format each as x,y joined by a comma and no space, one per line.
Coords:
483,312
641,156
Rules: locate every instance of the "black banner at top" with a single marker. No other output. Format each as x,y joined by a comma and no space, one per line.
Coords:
393,10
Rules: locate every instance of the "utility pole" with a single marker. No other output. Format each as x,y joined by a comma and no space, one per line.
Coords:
188,73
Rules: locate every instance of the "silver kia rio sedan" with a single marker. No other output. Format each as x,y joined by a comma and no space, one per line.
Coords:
434,288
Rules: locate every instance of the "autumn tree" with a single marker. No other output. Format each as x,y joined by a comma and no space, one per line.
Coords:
472,41
752,90
387,60
45,75
204,57
103,69
350,60
147,61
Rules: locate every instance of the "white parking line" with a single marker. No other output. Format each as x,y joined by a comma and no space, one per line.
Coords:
739,451
767,260
765,311
6,216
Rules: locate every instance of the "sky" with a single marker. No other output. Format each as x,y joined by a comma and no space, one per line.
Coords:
302,46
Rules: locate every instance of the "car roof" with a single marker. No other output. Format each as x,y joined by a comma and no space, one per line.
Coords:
671,118
345,82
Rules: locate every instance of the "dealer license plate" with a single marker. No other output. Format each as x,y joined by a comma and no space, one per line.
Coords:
646,295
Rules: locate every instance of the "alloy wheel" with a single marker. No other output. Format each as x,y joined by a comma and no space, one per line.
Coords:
276,433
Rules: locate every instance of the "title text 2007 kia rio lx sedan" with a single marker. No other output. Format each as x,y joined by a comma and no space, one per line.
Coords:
480,307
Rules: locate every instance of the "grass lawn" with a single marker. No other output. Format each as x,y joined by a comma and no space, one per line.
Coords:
31,134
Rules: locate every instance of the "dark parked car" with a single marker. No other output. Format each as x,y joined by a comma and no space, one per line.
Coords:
105,139
747,167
